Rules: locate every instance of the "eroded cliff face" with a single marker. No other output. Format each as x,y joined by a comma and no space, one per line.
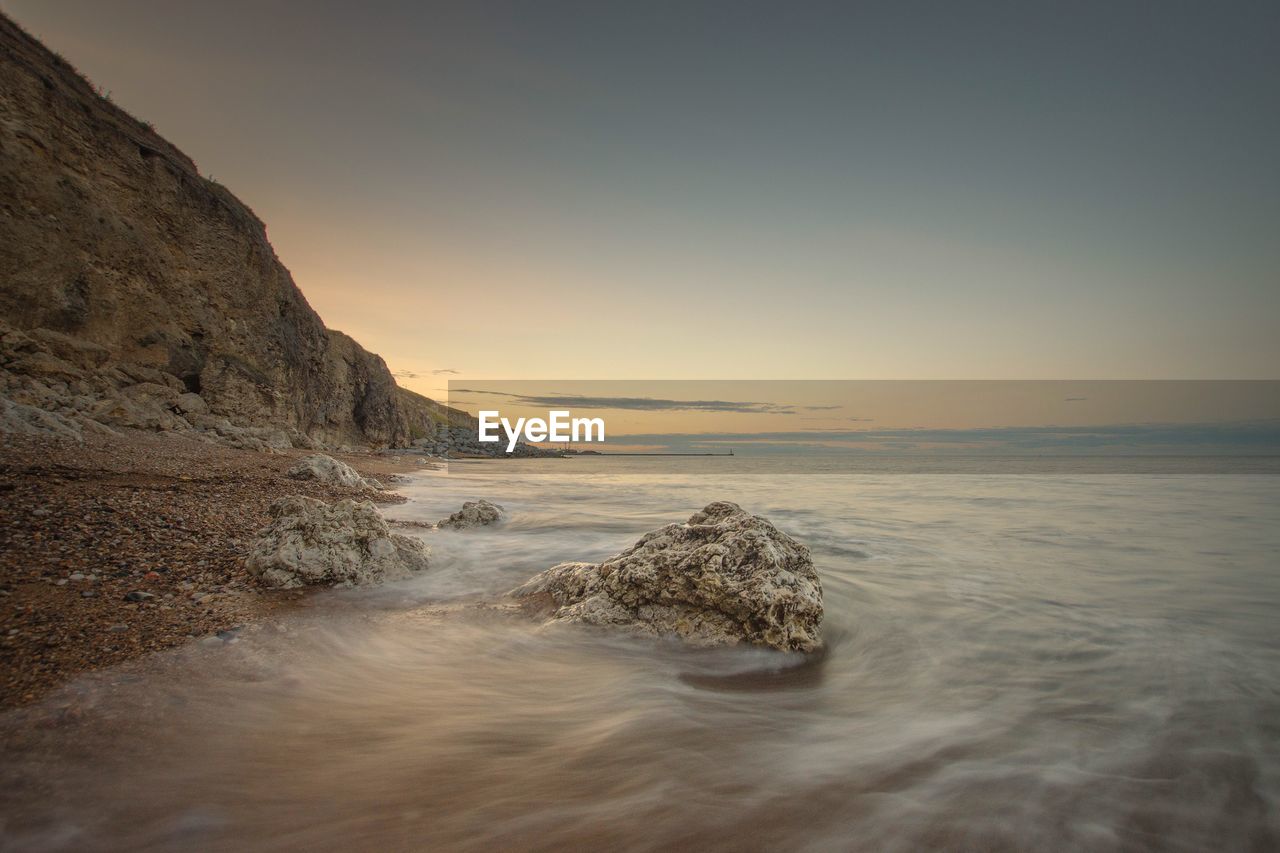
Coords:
109,235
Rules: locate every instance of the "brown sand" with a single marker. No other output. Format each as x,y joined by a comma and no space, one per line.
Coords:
157,514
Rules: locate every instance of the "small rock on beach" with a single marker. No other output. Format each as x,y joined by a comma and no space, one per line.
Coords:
326,469
473,514
348,543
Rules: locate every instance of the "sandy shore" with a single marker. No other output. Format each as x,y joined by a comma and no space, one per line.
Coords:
82,526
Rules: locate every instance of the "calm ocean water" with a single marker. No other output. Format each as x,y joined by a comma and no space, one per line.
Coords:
1037,661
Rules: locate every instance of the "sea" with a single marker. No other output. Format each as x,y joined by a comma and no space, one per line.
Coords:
1024,656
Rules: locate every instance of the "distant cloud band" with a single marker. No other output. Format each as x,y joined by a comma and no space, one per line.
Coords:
641,404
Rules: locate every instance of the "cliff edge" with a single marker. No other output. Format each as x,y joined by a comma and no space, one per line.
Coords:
135,293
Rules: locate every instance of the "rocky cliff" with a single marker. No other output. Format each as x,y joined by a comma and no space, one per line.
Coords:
136,293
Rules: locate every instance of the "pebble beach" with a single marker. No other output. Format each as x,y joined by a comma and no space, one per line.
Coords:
120,546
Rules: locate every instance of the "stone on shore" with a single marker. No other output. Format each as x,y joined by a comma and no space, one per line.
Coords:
29,420
345,543
326,469
473,514
724,577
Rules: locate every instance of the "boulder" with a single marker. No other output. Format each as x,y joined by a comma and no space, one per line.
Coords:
300,439
724,577
140,412
346,543
143,374
22,419
326,469
473,514
191,403
151,394
272,439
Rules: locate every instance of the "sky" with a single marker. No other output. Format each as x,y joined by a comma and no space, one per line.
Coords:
737,190
1237,416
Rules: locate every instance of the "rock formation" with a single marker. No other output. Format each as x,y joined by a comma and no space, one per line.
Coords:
473,514
346,543
139,294
326,469
724,577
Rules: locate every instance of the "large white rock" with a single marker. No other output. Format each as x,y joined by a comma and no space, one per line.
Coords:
326,469
348,543
473,514
723,578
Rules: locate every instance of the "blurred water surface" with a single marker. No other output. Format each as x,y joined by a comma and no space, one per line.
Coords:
1022,662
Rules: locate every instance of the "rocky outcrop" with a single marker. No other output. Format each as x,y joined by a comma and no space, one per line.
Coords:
326,469
346,543
43,393
722,578
149,296
21,419
473,514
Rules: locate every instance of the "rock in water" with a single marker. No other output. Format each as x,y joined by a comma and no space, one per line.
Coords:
724,577
348,543
326,469
473,514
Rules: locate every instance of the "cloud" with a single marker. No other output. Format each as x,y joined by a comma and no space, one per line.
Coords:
829,418
640,404
1250,438
412,374
820,408
1074,399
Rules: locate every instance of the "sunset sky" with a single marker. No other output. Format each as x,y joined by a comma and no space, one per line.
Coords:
1227,415
738,190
